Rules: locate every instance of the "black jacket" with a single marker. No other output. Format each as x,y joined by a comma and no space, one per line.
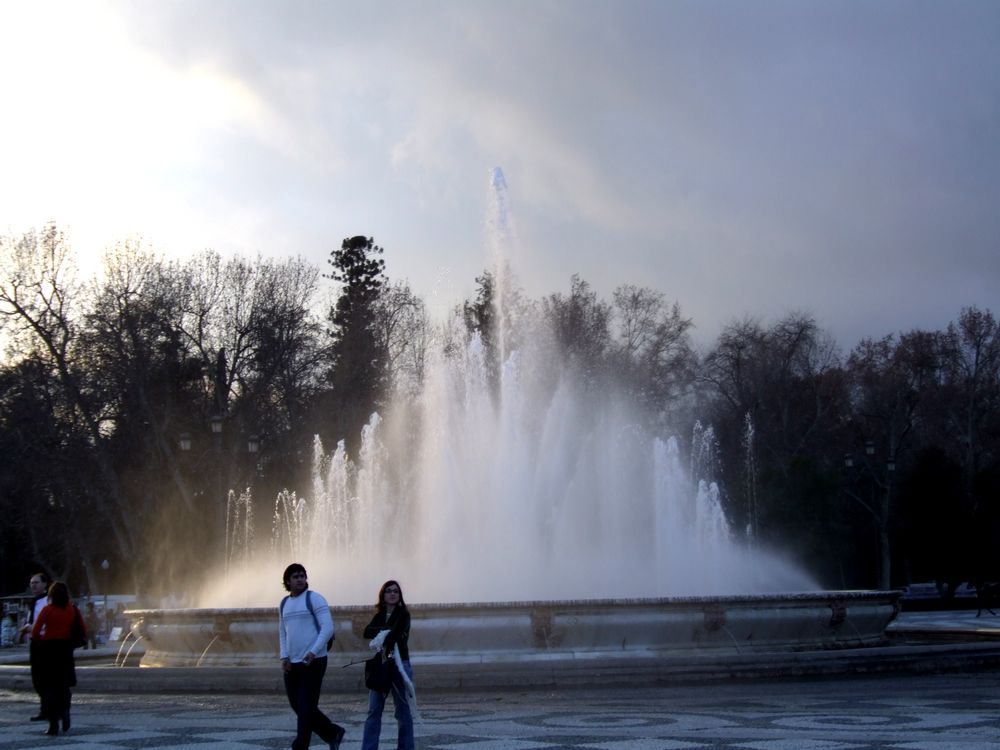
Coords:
399,627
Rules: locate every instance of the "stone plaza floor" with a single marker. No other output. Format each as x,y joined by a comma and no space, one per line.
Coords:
897,712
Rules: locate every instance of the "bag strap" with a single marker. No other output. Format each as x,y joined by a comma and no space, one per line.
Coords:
309,606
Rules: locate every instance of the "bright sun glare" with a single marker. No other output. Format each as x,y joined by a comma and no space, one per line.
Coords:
97,128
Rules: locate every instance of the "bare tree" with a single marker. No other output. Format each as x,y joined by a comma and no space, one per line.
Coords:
402,331
889,379
971,385
655,347
38,290
775,396
581,324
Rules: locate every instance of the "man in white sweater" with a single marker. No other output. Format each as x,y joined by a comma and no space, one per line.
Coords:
304,629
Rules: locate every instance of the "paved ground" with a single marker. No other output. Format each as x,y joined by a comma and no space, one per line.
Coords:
963,620
891,712
901,712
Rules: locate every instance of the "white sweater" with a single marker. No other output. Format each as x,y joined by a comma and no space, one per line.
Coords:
297,630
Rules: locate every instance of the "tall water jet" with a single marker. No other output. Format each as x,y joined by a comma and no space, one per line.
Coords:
514,474
532,513
239,530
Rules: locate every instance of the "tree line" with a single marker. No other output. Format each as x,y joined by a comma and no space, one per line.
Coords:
874,467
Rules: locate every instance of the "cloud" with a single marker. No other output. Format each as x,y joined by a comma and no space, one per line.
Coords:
745,158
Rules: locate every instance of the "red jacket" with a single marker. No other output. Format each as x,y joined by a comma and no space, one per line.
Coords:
57,623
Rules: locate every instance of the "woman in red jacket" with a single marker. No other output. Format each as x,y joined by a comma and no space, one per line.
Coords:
54,633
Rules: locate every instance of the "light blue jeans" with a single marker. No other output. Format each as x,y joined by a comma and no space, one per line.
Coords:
376,704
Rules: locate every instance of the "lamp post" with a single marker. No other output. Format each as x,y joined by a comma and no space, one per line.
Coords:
105,567
253,448
216,425
227,503
253,444
878,503
185,443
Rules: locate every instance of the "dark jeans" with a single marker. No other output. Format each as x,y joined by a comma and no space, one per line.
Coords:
303,684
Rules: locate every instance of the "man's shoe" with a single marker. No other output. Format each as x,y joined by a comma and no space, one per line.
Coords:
338,737
38,718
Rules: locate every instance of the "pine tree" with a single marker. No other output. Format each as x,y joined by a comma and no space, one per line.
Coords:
357,372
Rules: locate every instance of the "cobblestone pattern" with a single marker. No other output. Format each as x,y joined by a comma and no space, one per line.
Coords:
953,712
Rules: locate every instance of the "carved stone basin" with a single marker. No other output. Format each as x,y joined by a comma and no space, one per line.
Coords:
540,630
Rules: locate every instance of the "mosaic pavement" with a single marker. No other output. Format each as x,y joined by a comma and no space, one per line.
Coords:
947,712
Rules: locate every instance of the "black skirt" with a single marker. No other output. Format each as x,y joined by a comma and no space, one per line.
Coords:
52,663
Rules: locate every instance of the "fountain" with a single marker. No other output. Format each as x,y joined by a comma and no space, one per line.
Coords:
509,479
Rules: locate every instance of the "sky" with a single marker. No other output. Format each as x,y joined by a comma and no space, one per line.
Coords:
744,158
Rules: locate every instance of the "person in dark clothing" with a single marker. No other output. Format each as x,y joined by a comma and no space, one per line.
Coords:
93,623
39,587
390,631
52,637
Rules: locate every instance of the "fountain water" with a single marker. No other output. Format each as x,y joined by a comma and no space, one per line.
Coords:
530,482
239,530
511,476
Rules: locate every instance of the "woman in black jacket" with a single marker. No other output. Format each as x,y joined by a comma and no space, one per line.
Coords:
390,631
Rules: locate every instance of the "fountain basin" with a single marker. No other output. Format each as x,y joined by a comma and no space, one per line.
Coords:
540,630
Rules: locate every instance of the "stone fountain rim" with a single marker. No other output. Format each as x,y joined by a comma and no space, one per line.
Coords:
675,602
